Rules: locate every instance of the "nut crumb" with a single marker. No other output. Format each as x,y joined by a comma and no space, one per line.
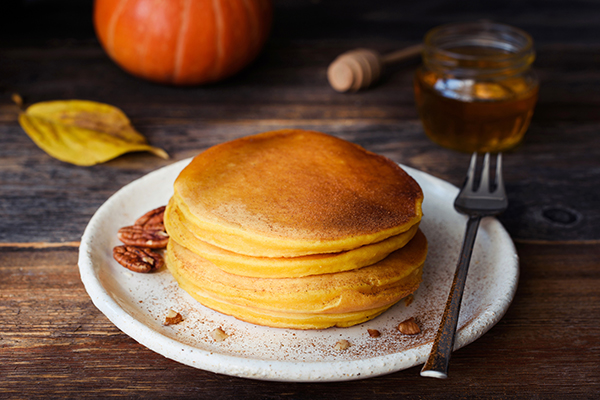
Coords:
409,327
17,99
408,300
374,332
342,345
218,335
172,318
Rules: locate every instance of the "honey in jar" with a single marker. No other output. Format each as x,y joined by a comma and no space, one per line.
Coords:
476,90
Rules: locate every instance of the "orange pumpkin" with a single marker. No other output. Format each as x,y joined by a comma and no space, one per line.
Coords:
182,42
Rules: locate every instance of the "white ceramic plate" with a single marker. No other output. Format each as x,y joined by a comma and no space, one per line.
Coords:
138,303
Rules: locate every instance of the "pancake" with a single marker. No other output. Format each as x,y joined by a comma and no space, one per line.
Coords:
319,301
281,267
282,320
292,193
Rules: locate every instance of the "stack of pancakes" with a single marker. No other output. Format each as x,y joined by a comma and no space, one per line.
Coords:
295,229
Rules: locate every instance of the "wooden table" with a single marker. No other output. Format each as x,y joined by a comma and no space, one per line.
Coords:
55,343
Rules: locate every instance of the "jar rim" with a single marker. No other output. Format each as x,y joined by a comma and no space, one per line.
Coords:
516,41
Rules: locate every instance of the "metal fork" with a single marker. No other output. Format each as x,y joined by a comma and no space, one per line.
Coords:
485,200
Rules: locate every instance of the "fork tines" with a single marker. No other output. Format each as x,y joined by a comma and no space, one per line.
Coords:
484,183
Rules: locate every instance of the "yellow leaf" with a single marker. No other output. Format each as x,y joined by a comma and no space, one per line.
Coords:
83,132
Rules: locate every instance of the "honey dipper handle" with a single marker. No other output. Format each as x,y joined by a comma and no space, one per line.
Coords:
359,68
403,54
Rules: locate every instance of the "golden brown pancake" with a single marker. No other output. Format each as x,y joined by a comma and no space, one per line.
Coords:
282,267
291,193
319,301
282,320
295,229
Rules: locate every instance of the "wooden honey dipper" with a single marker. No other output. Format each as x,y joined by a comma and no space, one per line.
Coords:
359,68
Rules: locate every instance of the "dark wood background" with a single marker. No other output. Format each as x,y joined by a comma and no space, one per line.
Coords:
55,343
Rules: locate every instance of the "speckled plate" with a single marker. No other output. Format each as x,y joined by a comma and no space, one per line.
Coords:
138,303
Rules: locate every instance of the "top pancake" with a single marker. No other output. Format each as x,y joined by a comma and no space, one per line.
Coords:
293,192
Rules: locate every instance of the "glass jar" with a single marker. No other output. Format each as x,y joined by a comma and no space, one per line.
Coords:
476,90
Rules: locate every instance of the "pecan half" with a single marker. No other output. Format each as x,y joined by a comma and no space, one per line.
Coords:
152,236
153,217
138,259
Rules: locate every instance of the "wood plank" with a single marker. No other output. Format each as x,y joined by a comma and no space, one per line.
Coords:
553,193
53,342
551,197
373,21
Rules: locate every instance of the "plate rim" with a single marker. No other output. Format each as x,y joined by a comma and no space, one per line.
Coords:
253,368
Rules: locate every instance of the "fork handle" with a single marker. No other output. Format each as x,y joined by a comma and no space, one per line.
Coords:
436,365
